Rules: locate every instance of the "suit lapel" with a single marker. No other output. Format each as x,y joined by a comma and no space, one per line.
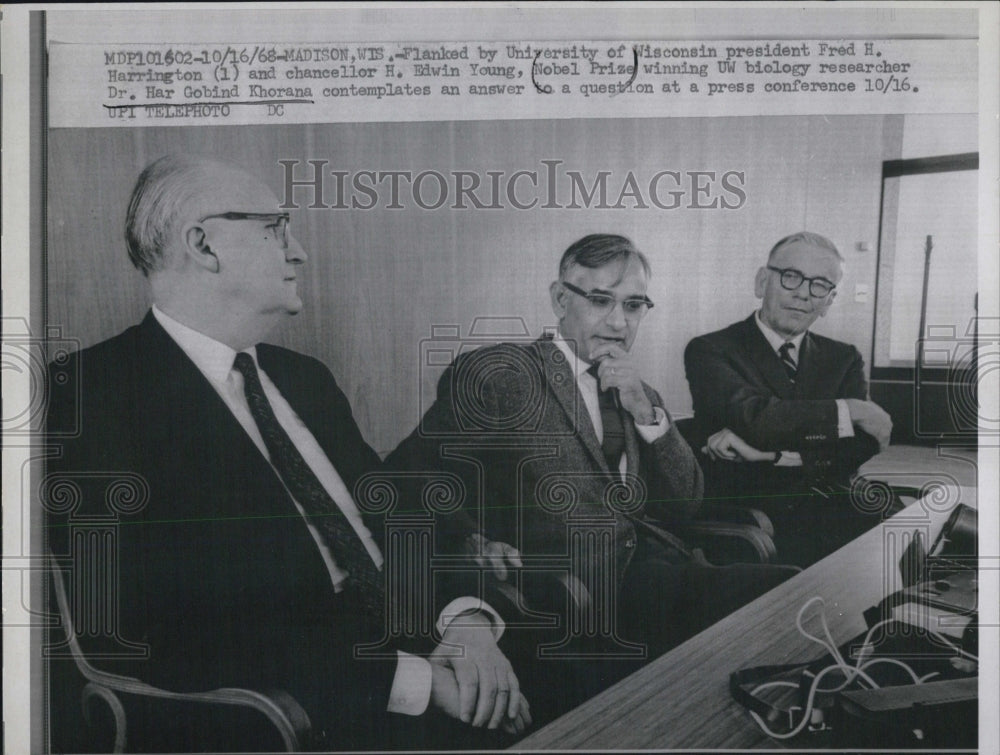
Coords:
182,390
631,445
806,365
562,384
760,353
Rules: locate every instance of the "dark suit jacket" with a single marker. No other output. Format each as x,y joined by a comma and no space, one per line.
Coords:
216,571
510,422
737,381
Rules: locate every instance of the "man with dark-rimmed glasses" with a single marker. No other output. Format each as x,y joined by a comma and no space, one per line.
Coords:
566,454
783,414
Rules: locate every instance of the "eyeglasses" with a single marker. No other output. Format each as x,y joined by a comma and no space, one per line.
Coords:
633,306
791,279
280,225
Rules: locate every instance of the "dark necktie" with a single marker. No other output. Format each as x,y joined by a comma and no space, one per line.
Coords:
613,443
322,510
787,360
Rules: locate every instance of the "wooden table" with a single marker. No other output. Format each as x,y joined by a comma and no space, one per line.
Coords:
917,466
681,700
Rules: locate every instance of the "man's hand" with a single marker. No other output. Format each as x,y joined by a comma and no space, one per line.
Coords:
488,691
871,418
497,554
618,370
728,446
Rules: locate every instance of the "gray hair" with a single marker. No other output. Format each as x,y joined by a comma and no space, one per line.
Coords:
806,237
600,249
163,190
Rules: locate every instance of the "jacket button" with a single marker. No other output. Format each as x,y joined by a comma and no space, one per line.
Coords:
630,543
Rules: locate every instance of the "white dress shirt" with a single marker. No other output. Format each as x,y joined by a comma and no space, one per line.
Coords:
411,686
588,387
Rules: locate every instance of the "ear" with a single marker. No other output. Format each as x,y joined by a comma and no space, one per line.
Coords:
558,295
760,282
826,305
197,249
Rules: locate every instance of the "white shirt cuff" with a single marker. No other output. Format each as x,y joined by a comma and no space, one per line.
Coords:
845,427
655,431
789,459
466,605
411,686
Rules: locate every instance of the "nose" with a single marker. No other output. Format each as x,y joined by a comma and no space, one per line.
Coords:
616,317
294,252
802,291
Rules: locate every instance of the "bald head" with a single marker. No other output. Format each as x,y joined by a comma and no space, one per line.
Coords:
806,238
167,194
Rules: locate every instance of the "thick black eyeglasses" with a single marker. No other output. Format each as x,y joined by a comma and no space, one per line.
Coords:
791,279
281,221
633,306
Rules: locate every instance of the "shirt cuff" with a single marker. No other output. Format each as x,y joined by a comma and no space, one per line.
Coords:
655,431
466,605
411,686
845,427
789,459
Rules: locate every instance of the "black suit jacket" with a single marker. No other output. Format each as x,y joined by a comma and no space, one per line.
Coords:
509,422
738,381
214,571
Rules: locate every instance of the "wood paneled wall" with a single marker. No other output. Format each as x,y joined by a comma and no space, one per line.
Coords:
378,280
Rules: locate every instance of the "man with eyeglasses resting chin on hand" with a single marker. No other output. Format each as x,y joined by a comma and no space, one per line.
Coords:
782,413
569,456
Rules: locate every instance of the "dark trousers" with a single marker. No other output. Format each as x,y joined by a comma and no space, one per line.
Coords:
662,603
810,525
811,518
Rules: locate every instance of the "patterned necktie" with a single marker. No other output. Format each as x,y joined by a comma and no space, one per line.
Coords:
301,482
613,443
787,360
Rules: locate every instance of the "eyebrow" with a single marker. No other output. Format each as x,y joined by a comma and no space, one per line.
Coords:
813,278
605,292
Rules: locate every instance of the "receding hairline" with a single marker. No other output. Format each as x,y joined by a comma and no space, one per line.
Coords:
598,250
814,240
178,188
626,261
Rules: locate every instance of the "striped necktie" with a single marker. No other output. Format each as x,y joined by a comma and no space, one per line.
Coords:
787,360
320,508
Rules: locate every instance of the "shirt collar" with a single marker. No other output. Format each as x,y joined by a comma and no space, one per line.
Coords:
577,365
213,358
776,339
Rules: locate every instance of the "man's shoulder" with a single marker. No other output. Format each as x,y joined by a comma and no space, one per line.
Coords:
831,345
508,357
112,354
731,334
502,368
